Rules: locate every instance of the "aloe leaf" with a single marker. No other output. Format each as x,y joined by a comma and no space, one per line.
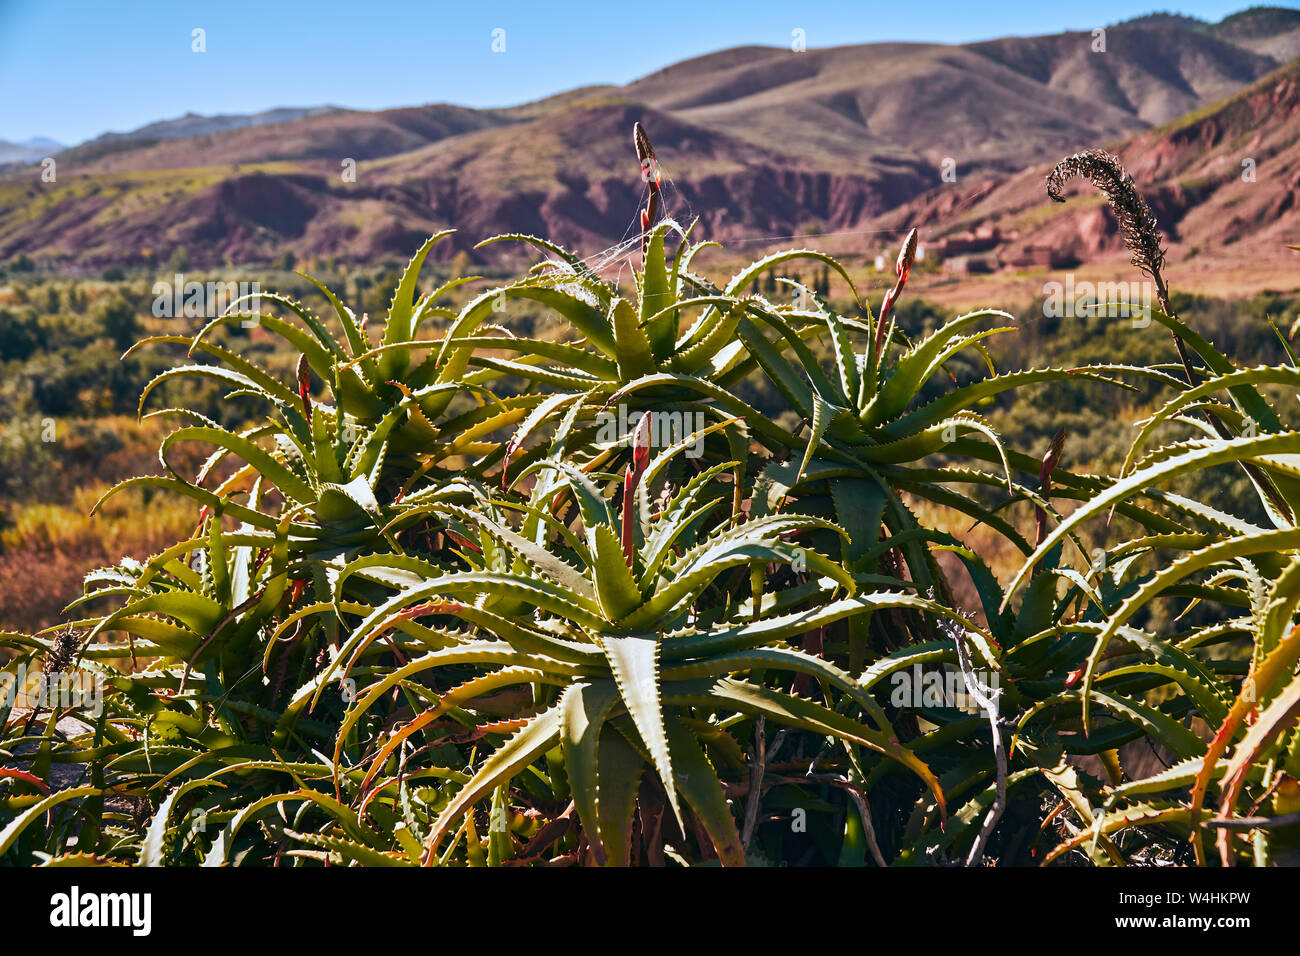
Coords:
1211,453
634,662
751,272
656,294
585,707
615,587
10,834
915,367
274,472
399,327
538,736
634,352
794,711
619,779
700,787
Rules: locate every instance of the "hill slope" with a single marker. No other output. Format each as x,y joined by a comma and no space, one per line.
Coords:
1224,183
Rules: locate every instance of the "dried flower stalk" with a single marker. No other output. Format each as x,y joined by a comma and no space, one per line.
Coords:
645,155
1140,232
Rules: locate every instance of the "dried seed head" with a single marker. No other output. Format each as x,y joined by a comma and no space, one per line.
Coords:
645,155
63,652
1137,224
644,151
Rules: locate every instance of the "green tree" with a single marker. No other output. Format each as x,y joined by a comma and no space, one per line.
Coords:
19,334
119,322
179,261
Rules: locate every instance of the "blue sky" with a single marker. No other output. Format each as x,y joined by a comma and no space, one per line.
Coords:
71,69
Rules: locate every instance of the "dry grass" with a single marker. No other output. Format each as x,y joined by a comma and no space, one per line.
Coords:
48,549
49,540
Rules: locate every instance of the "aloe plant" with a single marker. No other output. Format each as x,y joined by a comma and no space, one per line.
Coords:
637,673
434,611
1239,570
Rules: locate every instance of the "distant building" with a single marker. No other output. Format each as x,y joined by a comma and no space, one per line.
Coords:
972,265
1045,256
981,239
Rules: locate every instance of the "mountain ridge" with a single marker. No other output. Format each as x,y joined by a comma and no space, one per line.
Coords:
1223,181
755,140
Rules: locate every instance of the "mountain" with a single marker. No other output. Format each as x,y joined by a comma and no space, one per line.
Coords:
1273,31
327,134
1223,182
43,143
193,124
759,142
28,151
983,104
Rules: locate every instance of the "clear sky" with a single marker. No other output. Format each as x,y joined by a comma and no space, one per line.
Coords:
72,69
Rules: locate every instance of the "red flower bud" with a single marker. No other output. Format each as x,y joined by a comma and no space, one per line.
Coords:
902,269
906,255
641,443
304,385
640,461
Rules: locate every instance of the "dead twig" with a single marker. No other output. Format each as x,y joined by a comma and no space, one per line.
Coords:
756,767
1255,823
987,699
